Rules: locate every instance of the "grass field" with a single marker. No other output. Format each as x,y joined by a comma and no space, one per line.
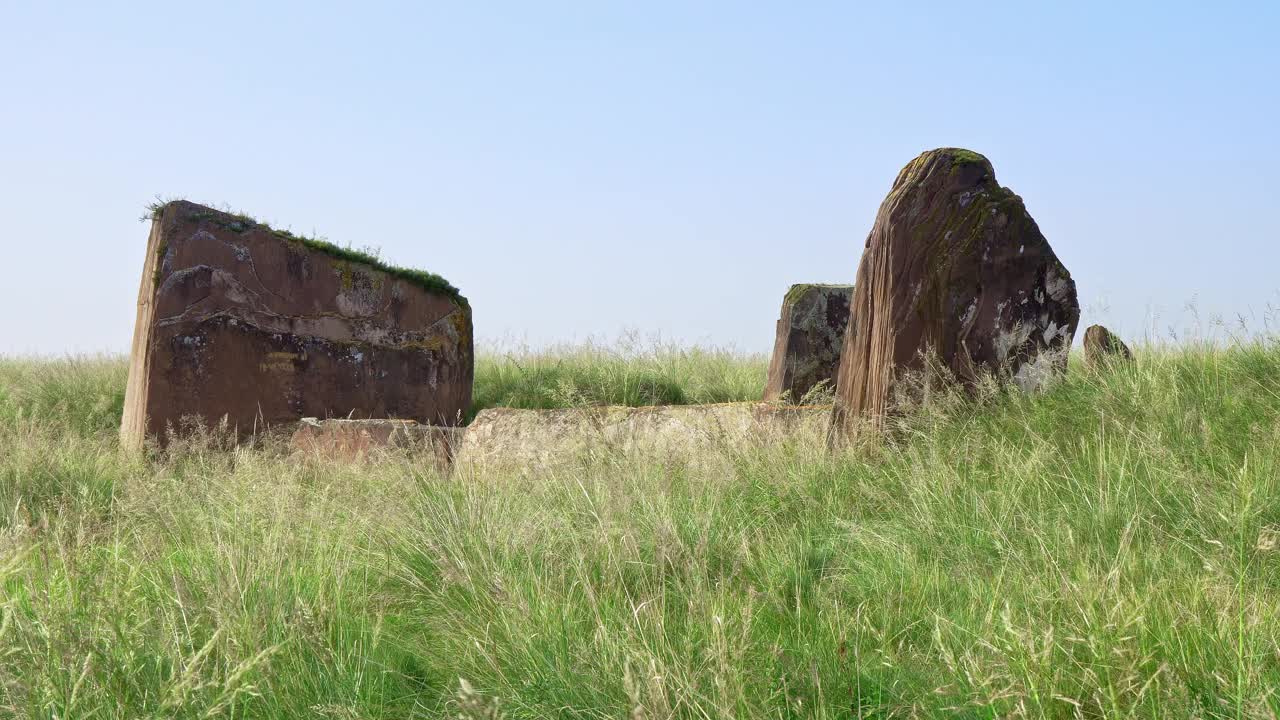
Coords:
1108,548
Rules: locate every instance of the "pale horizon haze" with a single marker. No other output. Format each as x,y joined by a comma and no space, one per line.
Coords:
587,169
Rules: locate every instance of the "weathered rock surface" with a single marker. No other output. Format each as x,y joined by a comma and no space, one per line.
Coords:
522,439
1102,346
955,266
237,320
809,339
352,440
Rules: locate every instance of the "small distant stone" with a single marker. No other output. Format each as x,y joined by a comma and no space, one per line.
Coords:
1102,346
810,336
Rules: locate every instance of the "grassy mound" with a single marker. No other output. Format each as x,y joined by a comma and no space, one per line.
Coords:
1109,548
628,374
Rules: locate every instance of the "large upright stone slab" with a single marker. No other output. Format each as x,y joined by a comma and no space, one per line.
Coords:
954,266
809,339
238,320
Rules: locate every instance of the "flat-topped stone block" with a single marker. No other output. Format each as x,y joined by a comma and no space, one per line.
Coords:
261,327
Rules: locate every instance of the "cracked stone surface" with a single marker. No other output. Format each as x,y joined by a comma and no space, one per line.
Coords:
955,265
810,336
237,321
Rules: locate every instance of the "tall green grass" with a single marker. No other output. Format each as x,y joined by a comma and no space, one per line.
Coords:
628,372
1107,548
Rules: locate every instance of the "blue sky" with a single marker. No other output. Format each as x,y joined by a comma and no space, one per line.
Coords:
578,169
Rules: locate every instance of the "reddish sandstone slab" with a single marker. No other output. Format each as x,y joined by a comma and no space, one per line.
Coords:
237,320
954,266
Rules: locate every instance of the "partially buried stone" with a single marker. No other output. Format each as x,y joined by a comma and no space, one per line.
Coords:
352,440
240,321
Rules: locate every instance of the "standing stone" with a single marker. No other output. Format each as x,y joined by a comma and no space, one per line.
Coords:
809,339
1102,346
954,267
240,321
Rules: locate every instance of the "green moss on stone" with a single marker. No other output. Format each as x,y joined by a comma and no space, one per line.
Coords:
241,223
960,156
462,326
161,249
797,291
952,232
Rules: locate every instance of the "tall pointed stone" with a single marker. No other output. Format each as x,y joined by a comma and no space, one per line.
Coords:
240,321
955,266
